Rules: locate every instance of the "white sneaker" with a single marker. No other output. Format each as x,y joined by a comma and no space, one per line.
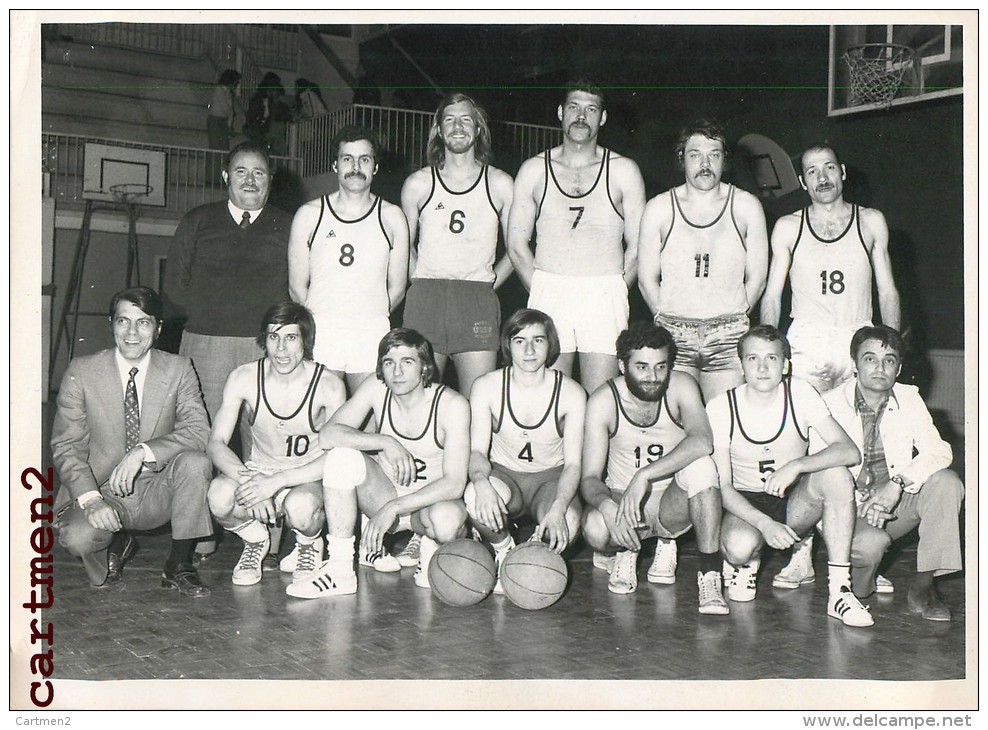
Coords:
745,580
427,549
883,585
247,571
290,561
383,563
409,557
711,598
308,560
603,562
321,583
663,567
846,606
799,570
624,575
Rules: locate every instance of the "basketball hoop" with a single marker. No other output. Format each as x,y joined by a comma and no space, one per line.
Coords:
129,192
876,72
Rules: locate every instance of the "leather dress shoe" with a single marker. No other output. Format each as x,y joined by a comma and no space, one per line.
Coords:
115,560
929,604
184,578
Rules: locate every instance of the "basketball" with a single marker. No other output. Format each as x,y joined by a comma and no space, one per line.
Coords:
462,572
533,576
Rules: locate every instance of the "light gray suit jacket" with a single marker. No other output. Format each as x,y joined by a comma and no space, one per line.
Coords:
88,435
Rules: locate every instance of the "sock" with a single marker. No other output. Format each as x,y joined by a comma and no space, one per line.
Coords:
710,562
305,539
250,531
838,577
505,544
117,542
340,552
181,552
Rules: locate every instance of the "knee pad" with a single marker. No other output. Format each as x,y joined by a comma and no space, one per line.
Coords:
344,469
698,476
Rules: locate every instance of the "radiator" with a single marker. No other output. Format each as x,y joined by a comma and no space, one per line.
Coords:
947,390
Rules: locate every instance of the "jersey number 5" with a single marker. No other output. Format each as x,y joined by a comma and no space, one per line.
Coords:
766,467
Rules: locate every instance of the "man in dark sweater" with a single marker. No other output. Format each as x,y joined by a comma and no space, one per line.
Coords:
228,262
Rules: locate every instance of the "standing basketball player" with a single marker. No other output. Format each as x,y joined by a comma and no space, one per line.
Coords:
348,260
649,431
456,206
584,204
526,434
704,256
287,397
773,491
830,251
408,475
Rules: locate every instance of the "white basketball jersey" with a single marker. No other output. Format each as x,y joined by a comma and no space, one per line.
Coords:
528,447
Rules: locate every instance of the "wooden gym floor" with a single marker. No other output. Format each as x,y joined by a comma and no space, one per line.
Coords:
390,629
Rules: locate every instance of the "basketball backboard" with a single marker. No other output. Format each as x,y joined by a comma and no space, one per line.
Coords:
930,65
124,174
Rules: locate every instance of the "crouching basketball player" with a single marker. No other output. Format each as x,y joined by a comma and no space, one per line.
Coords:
288,398
649,430
409,474
773,491
526,433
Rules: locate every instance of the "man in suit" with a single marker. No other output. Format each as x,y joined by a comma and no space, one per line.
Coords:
128,444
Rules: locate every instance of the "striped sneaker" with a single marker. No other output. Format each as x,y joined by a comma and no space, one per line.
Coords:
324,583
845,606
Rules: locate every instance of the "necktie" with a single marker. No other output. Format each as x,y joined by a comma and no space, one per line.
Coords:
132,413
245,220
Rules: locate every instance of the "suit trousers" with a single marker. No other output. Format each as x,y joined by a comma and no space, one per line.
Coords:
934,509
177,494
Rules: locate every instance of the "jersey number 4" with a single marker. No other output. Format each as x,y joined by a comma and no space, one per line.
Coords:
526,454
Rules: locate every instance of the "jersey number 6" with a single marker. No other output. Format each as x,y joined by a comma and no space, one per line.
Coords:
456,224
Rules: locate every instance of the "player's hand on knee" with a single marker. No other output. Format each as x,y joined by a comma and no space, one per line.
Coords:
779,536
780,480
630,507
489,506
264,511
256,489
102,516
554,525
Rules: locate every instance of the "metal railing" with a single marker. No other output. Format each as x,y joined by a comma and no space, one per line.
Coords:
192,175
404,133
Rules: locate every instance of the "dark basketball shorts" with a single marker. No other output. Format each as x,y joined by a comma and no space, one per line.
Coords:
455,316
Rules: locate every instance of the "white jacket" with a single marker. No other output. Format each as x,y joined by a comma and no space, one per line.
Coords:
912,444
